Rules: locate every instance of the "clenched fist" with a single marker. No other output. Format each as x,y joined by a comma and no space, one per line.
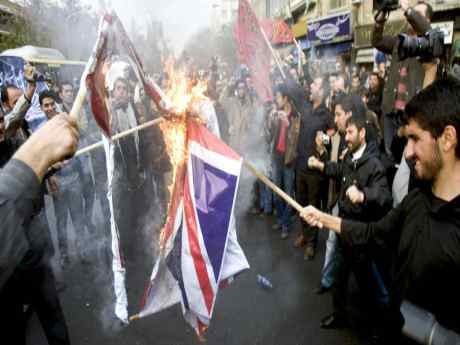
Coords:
55,141
355,195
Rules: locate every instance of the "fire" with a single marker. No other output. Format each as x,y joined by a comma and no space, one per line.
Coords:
184,95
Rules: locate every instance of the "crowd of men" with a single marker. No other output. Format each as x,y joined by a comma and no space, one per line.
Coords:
377,150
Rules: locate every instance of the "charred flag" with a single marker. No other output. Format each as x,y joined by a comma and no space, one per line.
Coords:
200,251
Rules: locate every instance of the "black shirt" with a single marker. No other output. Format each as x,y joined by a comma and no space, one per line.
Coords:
312,121
423,235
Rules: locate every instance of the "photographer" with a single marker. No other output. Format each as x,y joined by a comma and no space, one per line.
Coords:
405,78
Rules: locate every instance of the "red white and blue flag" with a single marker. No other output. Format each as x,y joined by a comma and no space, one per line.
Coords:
200,252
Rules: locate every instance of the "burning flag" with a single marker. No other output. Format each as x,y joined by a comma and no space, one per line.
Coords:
199,247
254,50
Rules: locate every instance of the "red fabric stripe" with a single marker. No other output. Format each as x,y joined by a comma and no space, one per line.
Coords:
198,260
205,138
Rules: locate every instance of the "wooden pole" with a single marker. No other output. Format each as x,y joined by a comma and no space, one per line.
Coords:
273,186
118,136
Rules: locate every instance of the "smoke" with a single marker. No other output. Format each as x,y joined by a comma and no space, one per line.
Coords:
180,18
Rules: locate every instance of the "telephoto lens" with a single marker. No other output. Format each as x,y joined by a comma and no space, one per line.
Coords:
426,47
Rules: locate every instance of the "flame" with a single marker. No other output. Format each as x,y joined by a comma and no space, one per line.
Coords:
184,95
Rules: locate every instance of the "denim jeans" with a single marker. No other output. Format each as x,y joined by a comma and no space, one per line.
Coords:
266,198
284,178
331,261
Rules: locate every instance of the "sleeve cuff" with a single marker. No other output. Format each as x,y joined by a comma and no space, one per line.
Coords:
20,179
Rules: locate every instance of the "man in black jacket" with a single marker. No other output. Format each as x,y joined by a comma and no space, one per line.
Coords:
363,195
423,232
315,118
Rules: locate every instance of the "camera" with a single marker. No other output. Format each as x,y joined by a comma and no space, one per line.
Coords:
429,46
386,5
325,139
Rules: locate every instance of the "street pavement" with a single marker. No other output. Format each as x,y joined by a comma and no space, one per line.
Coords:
245,314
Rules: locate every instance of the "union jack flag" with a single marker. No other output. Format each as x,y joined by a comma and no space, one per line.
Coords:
200,251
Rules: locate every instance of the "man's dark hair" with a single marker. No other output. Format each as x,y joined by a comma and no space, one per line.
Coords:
46,94
4,92
283,90
375,74
352,103
437,107
429,9
359,121
64,83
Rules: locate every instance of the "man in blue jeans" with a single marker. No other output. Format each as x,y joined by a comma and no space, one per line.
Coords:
284,123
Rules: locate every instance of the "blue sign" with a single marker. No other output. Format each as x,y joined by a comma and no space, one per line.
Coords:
12,73
331,29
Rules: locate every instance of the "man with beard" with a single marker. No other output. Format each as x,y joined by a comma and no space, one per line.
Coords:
423,232
363,195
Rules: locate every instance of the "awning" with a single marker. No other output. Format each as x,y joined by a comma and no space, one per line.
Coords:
299,29
365,56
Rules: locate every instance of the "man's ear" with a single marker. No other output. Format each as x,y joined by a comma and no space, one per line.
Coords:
449,138
362,133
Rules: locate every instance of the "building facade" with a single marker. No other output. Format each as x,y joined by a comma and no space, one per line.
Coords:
7,11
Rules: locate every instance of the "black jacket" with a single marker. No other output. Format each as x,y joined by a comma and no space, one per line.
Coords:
368,174
35,226
19,192
312,121
423,236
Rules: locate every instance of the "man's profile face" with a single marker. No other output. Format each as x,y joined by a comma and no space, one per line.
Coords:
340,118
120,92
353,138
49,107
423,149
66,94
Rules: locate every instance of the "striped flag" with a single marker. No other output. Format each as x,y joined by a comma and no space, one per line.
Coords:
200,251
